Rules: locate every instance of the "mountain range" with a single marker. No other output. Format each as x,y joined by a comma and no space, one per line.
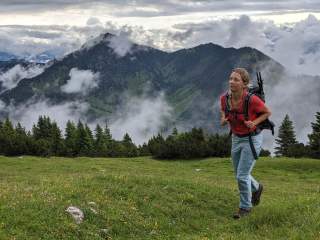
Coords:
191,79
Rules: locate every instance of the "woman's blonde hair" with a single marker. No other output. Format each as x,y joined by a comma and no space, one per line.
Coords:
244,75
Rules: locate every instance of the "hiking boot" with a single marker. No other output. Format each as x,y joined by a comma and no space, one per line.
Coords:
255,200
241,213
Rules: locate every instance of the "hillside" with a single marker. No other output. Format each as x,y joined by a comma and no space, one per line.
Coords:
141,198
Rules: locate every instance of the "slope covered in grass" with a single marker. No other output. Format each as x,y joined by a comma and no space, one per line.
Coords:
142,198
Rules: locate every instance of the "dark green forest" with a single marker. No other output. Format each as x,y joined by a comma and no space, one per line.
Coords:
46,139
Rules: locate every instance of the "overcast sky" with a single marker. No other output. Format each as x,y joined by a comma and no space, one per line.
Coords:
150,14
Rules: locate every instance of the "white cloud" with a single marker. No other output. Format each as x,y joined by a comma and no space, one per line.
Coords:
28,114
118,41
141,117
121,45
81,81
12,77
297,96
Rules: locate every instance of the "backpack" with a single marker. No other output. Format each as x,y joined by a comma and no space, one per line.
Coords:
266,124
258,91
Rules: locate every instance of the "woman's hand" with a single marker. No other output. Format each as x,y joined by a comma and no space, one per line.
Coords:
250,124
223,121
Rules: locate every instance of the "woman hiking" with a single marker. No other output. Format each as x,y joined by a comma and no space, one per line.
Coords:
242,155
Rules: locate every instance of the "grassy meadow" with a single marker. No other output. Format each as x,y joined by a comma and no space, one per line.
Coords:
142,198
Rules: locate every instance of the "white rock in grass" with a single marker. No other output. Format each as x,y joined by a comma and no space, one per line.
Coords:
76,213
198,169
92,203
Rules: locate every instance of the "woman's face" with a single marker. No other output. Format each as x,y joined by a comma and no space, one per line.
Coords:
235,82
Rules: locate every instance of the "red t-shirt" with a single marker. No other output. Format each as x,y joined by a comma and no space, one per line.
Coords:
236,121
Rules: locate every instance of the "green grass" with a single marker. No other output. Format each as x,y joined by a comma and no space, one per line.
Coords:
142,198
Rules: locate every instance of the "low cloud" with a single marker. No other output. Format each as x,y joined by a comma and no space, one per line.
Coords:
297,96
121,45
141,117
81,81
28,114
12,77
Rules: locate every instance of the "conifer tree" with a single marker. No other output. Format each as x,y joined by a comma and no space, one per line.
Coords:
47,136
71,139
21,140
84,140
175,132
100,142
8,136
107,133
314,137
56,140
43,128
130,150
1,138
157,146
91,139
112,145
286,137
143,150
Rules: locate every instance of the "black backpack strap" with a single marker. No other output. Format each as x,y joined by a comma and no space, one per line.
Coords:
272,127
253,150
246,106
227,107
246,117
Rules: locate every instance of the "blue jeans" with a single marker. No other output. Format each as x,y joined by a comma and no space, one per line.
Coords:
243,162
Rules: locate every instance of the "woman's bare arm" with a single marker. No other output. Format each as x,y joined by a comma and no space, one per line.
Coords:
223,119
265,113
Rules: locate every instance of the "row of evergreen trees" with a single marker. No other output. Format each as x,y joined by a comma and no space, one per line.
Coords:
193,144
45,139
289,146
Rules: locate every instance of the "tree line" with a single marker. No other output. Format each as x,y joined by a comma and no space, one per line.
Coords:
46,139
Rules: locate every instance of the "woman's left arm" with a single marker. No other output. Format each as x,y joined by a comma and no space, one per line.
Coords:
264,114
